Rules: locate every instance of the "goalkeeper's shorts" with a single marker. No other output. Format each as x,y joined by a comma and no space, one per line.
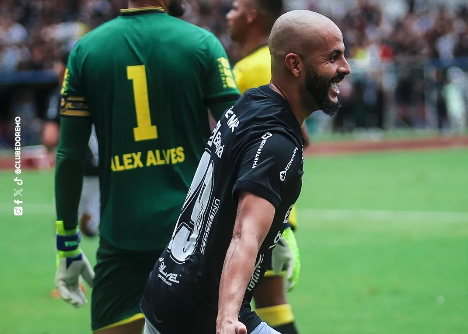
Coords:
118,285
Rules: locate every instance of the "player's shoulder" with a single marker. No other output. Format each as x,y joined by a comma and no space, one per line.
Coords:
260,55
100,33
281,140
94,39
193,33
264,98
254,102
257,60
253,70
275,146
279,143
262,108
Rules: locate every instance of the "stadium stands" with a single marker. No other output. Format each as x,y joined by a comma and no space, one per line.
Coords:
400,55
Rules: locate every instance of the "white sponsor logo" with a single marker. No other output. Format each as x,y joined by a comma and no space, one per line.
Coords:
219,147
211,216
260,148
166,277
233,121
283,173
216,139
278,236
256,274
267,135
286,218
213,134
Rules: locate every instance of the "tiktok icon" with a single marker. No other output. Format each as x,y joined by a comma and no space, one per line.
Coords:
18,210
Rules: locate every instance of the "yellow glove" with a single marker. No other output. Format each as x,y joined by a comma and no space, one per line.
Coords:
286,257
71,265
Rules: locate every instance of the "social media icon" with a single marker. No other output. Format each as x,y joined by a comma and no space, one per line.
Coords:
18,210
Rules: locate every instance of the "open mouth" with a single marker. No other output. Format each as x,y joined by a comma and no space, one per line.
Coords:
334,90
334,87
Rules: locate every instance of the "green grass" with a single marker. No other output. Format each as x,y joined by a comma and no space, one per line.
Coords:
362,273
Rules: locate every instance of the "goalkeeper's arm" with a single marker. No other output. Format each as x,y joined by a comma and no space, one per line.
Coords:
69,169
71,262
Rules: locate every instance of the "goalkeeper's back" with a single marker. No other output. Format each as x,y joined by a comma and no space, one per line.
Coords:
147,79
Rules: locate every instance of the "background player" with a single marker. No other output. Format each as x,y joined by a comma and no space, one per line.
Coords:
145,79
250,23
245,185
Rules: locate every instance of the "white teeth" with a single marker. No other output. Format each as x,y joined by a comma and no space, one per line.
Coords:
334,87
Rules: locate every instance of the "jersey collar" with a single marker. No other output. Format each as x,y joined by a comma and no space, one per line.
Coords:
142,10
258,48
289,115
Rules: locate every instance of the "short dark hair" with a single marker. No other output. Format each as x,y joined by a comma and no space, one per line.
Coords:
271,9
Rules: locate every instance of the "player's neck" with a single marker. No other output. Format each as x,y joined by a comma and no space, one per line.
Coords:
254,41
292,96
146,3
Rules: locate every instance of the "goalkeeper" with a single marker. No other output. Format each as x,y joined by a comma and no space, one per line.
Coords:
249,23
147,91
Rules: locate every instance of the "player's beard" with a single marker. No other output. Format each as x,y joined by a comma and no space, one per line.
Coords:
318,87
176,8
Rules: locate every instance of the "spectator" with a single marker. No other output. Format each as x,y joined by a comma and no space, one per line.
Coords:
33,34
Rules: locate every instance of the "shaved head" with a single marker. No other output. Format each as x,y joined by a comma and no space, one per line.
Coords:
307,51
298,31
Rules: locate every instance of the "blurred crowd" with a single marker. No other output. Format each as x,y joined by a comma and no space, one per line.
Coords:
440,33
36,34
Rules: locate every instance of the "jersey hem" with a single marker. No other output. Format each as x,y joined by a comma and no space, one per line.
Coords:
128,320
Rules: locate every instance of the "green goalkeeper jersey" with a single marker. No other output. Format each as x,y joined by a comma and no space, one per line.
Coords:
146,80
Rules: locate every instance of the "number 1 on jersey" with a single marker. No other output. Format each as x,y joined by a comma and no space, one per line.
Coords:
144,130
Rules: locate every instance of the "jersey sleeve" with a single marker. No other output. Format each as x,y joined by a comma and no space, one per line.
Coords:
251,77
221,89
73,103
267,166
75,130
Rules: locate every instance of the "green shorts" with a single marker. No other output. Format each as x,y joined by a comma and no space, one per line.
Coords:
118,285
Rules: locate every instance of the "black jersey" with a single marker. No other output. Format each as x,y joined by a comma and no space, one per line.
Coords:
257,146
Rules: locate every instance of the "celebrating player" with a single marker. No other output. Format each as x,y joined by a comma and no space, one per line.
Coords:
246,183
250,23
146,80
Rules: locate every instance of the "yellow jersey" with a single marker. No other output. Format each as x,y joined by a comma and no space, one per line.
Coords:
254,70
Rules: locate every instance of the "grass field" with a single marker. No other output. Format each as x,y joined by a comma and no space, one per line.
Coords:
383,236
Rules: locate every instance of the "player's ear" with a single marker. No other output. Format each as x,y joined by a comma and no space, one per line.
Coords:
252,15
294,64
